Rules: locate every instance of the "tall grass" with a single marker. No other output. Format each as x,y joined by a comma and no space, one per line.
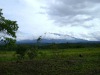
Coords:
50,62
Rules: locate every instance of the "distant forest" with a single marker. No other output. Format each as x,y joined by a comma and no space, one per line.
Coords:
51,46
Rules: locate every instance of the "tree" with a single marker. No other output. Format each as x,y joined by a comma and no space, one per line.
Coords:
39,39
8,29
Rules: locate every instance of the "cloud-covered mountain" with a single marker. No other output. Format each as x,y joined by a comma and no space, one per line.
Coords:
54,38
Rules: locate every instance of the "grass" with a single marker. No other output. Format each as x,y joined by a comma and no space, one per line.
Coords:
7,55
50,62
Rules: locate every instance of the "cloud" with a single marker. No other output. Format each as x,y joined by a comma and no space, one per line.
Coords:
78,18
96,35
73,12
27,14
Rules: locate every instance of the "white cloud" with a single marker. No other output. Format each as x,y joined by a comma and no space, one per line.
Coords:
80,18
77,16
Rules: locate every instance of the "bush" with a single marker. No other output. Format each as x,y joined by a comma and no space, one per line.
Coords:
32,53
21,50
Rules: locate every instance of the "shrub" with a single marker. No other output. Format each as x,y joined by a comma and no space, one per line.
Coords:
32,53
21,50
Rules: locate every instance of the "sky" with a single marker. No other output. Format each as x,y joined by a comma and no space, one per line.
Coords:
76,18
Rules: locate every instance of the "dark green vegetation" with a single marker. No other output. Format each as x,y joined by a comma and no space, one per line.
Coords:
8,30
72,61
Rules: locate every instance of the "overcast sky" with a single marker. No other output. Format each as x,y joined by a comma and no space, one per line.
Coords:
77,18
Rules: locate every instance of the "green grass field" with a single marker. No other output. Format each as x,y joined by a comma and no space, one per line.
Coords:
79,61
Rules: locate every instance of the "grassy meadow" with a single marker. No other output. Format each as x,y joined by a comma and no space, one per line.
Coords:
77,61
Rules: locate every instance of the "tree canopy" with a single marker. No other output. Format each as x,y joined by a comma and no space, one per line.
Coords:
8,27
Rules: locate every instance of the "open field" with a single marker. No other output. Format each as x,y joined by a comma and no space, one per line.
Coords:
79,61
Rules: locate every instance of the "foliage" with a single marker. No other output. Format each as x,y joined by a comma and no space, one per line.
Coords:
70,63
32,53
55,46
10,44
20,52
8,28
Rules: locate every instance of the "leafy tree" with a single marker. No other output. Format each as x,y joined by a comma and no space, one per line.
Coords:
8,29
10,44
